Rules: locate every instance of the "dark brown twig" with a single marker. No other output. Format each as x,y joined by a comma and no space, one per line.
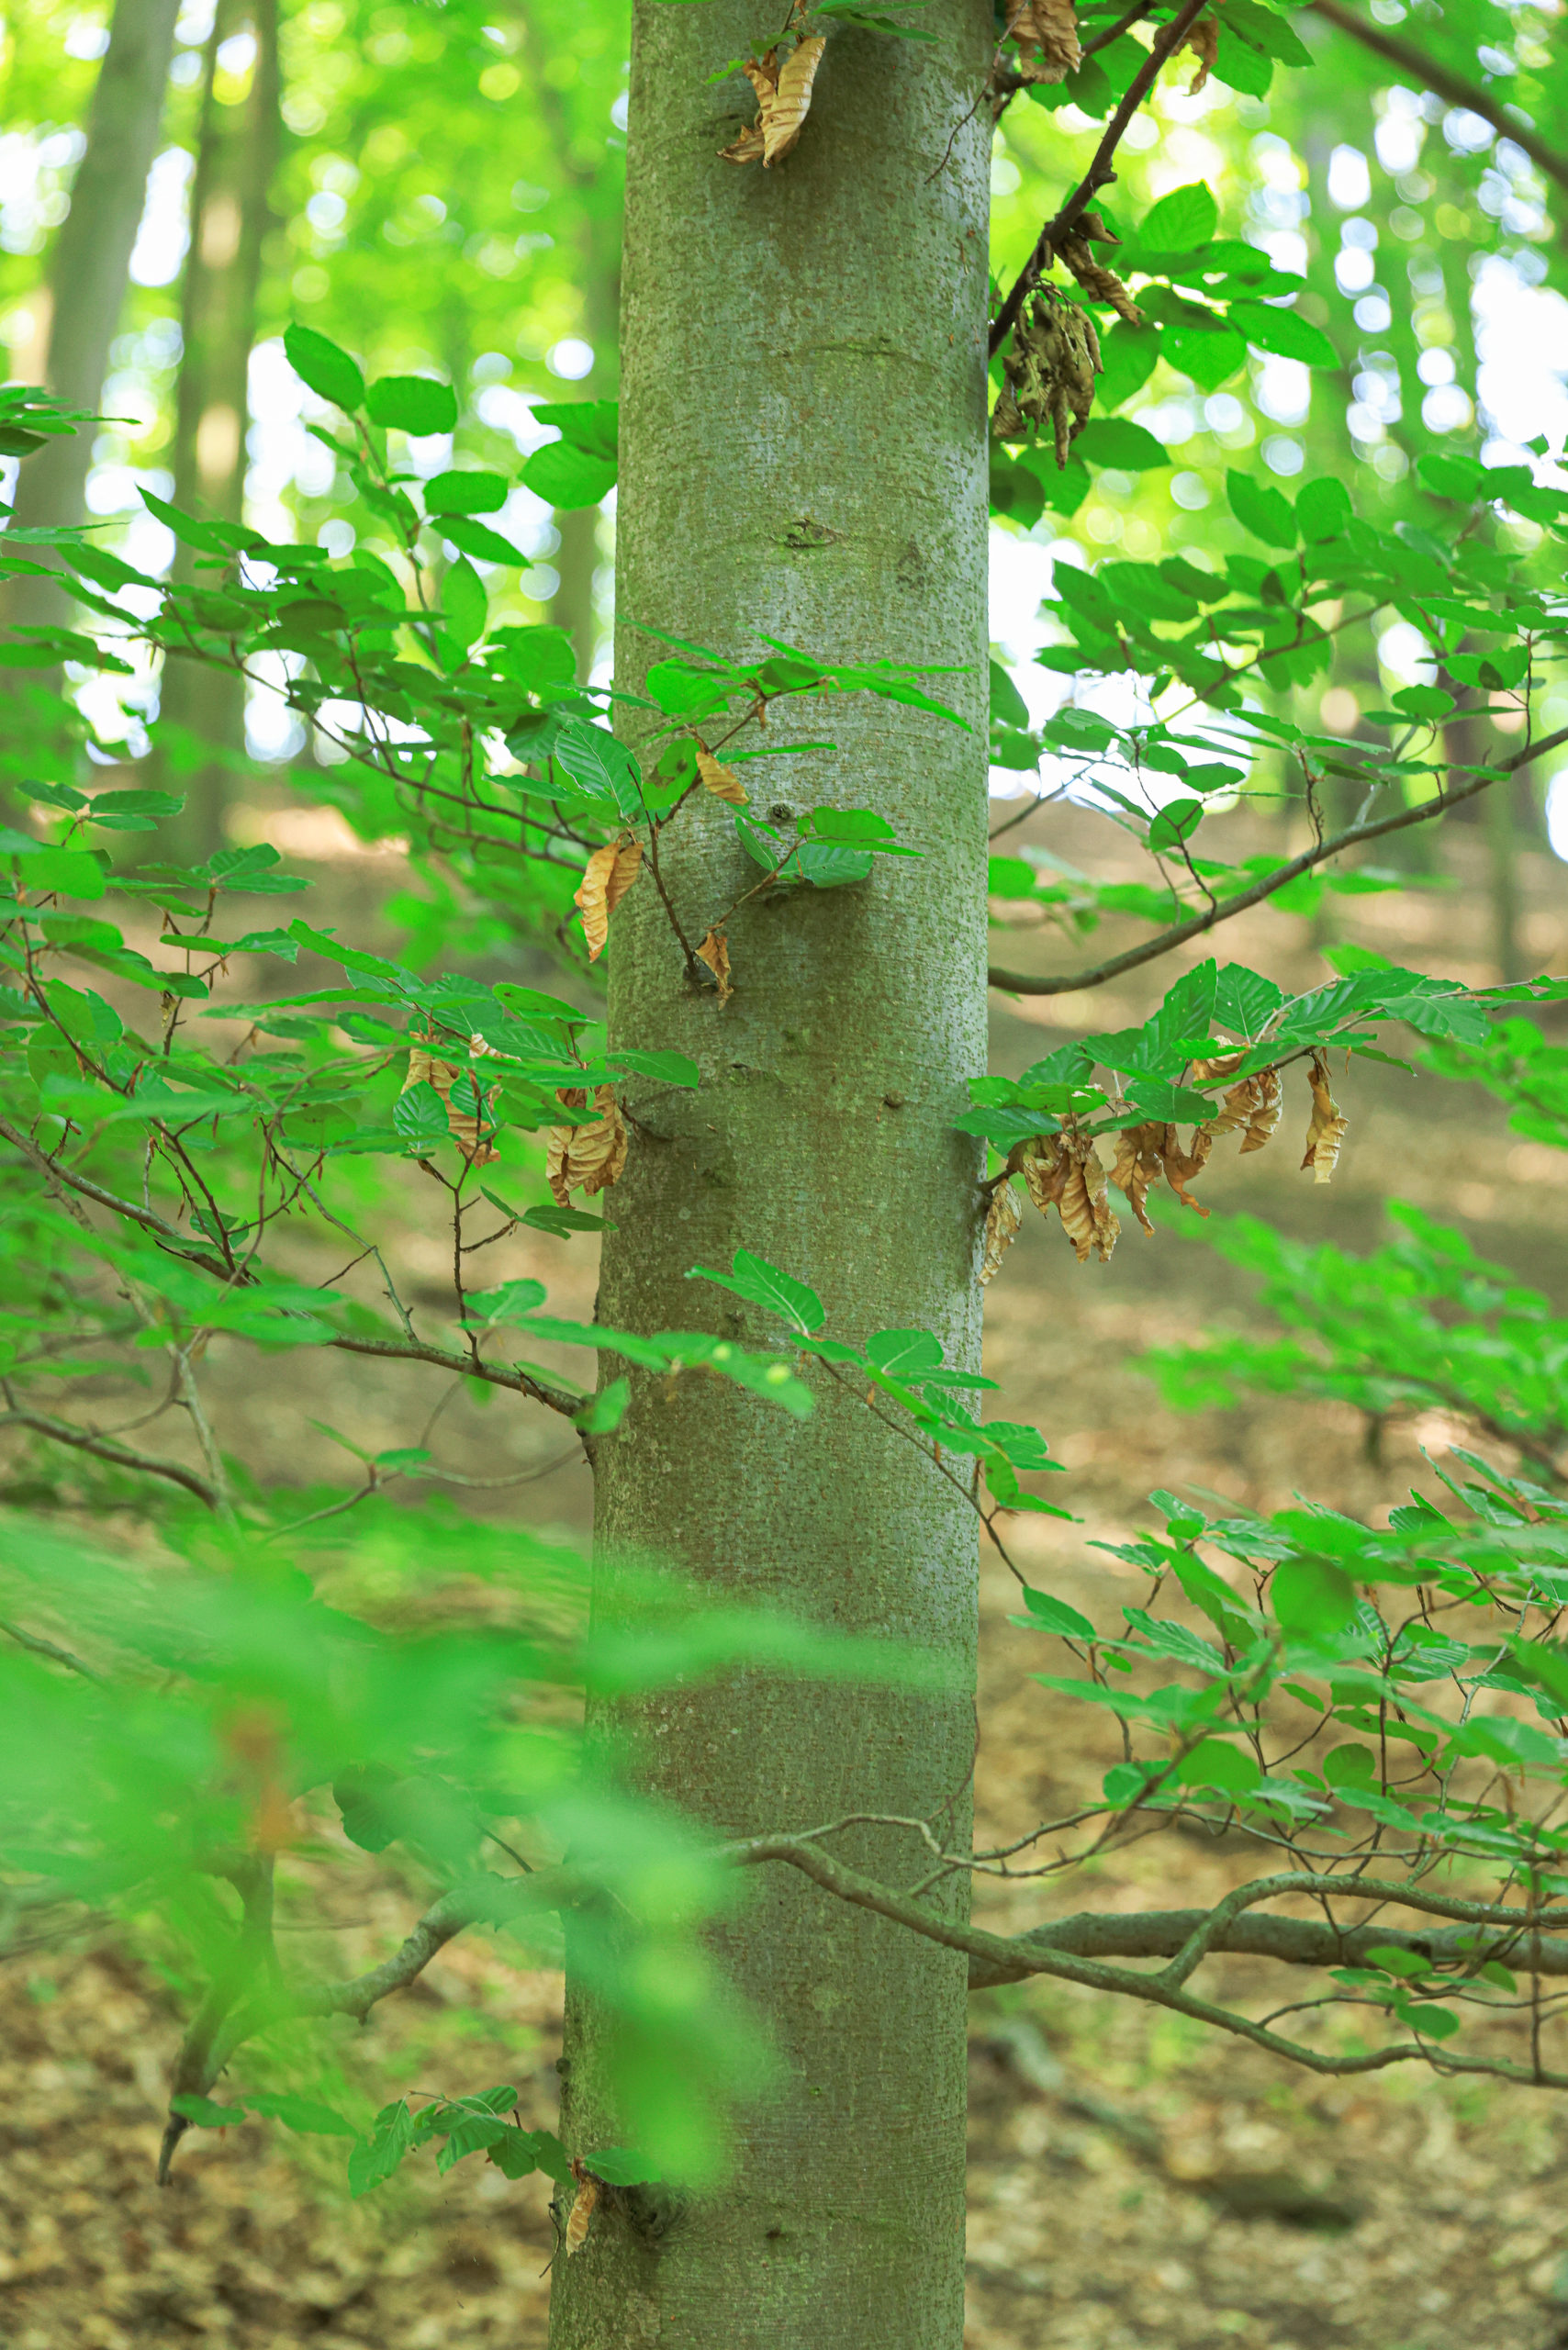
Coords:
1099,172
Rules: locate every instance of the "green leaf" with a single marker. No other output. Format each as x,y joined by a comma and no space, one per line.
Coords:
1453,476
1049,1615
464,493
592,426
667,1069
1181,221
463,603
1310,1596
606,1410
904,1354
855,827
419,1116
474,538
567,478
1007,703
1285,332
415,404
600,766
71,872
1015,490
374,2158
1424,702
1214,1762
1176,822
760,1283
532,657
205,2112
1130,355
301,2113
1117,441
1265,512
561,1223
331,374
508,1303
1323,509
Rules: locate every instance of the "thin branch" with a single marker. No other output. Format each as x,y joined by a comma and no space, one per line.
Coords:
1067,982
994,1957
1426,73
1101,171
555,1399
40,1647
194,2071
119,1455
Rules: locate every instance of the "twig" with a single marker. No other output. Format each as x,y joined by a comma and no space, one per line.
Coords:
1099,172
120,1456
1066,982
1426,72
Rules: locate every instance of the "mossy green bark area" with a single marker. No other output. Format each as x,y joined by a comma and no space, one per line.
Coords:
803,453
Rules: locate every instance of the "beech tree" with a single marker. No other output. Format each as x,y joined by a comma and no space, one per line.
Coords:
771,832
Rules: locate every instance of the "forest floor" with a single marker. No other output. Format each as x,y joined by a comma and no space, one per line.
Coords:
1134,2181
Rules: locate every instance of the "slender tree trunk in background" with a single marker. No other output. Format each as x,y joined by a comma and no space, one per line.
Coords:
1500,816
576,560
803,456
236,156
91,265
599,240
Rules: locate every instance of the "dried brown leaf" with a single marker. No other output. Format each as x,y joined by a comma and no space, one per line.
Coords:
716,954
586,1158
1327,1128
784,119
1100,283
1065,1172
1203,42
1088,1218
1003,1219
425,1069
1254,1105
1182,1166
1044,1167
609,874
784,100
1140,1161
1046,34
721,781
582,2210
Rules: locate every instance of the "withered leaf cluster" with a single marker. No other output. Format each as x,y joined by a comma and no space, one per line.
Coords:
1045,33
1203,42
1065,1172
609,874
424,1068
1049,372
587,1158
784,100
1098,281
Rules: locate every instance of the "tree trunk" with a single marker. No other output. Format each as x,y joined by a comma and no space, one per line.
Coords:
1500,810
802,437
90,266
236,155
576,560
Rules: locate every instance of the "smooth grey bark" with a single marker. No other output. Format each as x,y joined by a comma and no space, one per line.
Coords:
236,155
803,457
91,265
